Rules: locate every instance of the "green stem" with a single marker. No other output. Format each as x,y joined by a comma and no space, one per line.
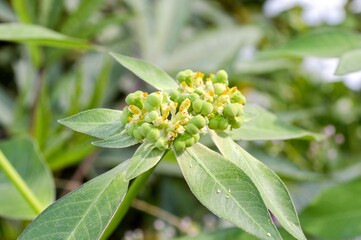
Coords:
20,184
127,202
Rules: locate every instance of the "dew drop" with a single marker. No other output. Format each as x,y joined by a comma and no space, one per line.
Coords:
229,190
218,191
227,196
268,234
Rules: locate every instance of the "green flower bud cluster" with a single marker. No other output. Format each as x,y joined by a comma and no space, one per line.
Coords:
179,117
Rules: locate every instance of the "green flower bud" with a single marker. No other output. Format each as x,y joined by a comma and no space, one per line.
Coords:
137,135
144,128
185,76
135,99
154,99
153,135
237,97
197,106
207,108
218,123
198,121
151,116
174,95
130,129
124,118
188,139
150,107
236,122
219,88
196,137
193,96
179,144
191,128
161,144
232,110
222,77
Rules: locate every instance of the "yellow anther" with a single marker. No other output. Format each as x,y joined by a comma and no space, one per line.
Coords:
185,105
145,94
233,90
199,75
134,109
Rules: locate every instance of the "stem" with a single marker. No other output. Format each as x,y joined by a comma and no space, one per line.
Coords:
20,184
127,202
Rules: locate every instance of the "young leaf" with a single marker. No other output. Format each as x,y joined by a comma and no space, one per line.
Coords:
148,72
120,140
84,213
349,62
265,126
100,122
27,161
325,43
335,213
26,33
143,159
226,190
273,191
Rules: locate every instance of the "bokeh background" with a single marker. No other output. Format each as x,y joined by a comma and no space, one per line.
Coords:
39,85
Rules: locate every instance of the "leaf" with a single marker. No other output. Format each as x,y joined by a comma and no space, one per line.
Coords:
335,213
320,43
273,191
265,126
220,45
7,107
99,122
120,140
226,191
349,62
83,213
147,72
27,33
25,157
143,159
224,234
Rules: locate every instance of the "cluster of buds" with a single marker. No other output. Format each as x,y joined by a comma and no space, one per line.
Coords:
180,116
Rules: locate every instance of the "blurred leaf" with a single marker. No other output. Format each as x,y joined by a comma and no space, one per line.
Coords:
100,122
170,18
265,126
6,13
146,157
83,213
220,45
50,12
26,159
147,72
335,213
263,66
320,43
27,33
78,19
6,108
226,190
120,140
273,191
349,62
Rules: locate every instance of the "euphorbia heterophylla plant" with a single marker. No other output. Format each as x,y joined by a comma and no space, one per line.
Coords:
233,185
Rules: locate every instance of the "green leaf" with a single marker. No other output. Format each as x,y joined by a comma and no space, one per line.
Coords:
120,140
349,62
7,107
223,234
27,33
192,54
320,43
273,191
265,126
148,72
100,122
25,157
335,213
85,212
226,190
143,159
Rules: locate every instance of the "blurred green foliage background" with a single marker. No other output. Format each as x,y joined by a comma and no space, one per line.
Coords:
39,85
